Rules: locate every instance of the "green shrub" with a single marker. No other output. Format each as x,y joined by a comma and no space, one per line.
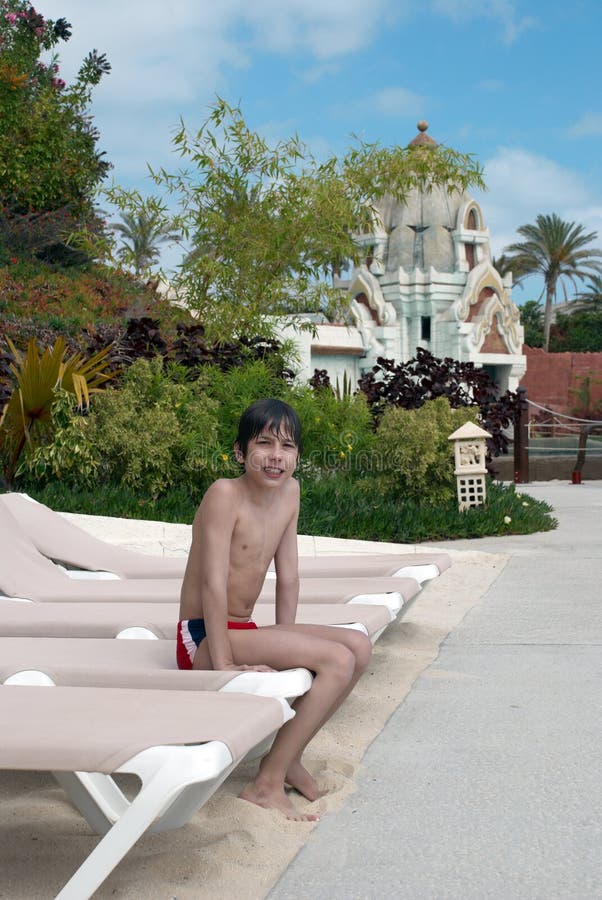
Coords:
358,508
153,433
337,434
414,454
69,455
235,389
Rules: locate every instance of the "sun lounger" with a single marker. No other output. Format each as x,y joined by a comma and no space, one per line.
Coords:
97,662
388,591
420,566
182,745
158,620
62,541
26,573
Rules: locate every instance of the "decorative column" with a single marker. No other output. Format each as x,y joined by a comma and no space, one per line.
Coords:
469,452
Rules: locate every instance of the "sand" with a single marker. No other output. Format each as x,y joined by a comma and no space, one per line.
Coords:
232,849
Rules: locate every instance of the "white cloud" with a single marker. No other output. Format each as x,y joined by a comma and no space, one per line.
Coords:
324,28
521,185
504,12
160,48
171,57
397,101
589,125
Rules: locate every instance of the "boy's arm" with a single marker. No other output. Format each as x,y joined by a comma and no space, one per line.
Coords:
286,561
212,536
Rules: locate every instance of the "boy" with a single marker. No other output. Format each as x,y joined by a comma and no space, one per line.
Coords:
241,524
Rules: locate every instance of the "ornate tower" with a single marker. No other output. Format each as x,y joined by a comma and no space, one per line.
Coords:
428,281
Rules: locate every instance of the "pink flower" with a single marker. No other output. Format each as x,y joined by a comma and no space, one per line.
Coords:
11,17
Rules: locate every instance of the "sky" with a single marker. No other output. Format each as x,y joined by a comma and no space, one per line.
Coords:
515,83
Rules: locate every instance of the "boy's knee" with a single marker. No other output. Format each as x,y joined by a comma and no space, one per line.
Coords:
342,660
362,649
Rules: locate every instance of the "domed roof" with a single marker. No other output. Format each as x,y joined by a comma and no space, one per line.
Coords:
420,229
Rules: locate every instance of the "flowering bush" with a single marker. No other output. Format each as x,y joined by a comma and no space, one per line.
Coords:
49,161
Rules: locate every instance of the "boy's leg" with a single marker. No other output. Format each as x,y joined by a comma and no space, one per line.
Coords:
297,775
334,665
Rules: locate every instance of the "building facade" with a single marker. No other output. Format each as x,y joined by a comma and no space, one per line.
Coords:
427,280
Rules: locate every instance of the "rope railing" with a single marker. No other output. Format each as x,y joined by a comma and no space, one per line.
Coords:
560,415
530,437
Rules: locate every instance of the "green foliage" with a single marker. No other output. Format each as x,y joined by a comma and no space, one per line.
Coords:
337,433
27,417
69,455
36,295
339,506
580,332
268,225
585,407
49,164
333,506
153,433
235,389
178,504
531,317
414,454
593,291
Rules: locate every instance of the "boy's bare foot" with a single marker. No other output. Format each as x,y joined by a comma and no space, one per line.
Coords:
275,798
299,778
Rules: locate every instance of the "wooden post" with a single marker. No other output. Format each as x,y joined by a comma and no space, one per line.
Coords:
521,438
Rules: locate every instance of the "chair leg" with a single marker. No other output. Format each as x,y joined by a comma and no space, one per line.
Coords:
180,767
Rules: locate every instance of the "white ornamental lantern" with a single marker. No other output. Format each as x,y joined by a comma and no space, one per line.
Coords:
469,453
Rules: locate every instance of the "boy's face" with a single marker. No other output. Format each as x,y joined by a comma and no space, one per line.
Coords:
271,456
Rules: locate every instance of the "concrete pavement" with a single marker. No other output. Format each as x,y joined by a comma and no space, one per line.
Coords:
486,781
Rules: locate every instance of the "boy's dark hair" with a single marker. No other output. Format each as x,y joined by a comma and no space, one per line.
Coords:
279,417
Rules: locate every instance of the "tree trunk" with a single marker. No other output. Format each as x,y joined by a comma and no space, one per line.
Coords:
547,316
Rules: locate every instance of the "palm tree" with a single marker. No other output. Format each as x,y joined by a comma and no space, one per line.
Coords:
557,250
505,264
593,291
141,234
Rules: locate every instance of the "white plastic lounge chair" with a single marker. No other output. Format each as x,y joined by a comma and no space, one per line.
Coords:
158,620
181,744
421,566
97,662
62,541
25,572
349,590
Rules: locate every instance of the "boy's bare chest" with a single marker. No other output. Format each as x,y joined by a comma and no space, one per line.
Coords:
256,538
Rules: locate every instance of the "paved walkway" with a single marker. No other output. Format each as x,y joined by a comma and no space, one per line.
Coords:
486,782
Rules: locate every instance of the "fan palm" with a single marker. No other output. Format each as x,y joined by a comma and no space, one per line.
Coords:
557,250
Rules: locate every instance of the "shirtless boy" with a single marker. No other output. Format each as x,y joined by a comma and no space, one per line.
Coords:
241,525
